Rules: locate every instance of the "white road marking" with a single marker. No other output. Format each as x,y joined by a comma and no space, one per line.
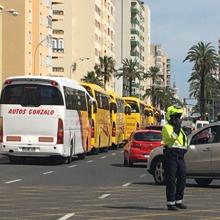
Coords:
103,157
126,184
113,154
66,216
90,161
72,166
13,181
122,152
49,172
143,175
104,196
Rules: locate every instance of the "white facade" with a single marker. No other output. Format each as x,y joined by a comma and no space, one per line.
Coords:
122,38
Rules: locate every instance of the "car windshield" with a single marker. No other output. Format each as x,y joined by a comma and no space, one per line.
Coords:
31,95
147,136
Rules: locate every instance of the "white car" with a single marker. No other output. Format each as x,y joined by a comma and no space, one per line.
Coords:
202,158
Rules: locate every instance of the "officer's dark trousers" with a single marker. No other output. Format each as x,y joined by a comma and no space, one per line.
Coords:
175,174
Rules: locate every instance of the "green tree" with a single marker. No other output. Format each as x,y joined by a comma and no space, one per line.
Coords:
105,69
92,77
205,61
154,75
131,71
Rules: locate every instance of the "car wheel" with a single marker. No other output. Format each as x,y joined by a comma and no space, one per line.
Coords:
158,172
203,181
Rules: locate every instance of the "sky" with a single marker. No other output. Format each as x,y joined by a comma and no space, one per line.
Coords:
178,25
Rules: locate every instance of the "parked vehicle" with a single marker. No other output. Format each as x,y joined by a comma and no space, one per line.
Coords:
101,127
200,124
202,159
117,113
139,145
44,116
136,120
154,127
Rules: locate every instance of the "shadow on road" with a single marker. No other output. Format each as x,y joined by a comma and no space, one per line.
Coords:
134,166
136,207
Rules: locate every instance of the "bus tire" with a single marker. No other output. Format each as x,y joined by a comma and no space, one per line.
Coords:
81,156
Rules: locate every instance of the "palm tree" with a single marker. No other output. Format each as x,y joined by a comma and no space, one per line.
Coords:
205,60
212,89
92,77
106,68
154,75
131,71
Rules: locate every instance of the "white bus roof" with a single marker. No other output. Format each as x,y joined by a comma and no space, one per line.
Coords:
60,80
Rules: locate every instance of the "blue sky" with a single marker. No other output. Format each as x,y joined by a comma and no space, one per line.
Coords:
178,25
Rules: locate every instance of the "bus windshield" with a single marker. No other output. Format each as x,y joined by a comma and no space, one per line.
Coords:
31,95
134,107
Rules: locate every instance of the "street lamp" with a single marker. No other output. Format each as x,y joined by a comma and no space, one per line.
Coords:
73,65
35,52
10,11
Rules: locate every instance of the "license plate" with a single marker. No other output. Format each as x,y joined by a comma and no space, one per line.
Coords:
28,149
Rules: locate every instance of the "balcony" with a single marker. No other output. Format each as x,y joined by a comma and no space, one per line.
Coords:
58,15
58,33
57,53
135,43
133,31
135,10
135,53
58,71
54,2
135,21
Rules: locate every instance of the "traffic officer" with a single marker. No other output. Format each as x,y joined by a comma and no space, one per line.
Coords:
175,146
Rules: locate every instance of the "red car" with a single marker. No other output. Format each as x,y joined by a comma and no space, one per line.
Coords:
140,144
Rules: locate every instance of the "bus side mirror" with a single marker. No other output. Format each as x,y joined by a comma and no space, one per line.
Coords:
113,107
127,110
94,107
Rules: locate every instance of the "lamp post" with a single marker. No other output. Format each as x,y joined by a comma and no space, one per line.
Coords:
10,11
73,65
35,52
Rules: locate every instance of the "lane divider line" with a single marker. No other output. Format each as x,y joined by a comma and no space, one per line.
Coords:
13,181
143,175
122,152
113,154
126,184
72,166
103,157
90,161
65,217
104,196
49,172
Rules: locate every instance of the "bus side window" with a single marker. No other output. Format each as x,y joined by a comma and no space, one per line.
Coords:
89,106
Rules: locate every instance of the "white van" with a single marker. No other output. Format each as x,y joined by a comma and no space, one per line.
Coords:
200,124
44,116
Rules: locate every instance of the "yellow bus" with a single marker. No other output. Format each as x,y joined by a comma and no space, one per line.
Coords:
136,120
149,115
117,111
101,137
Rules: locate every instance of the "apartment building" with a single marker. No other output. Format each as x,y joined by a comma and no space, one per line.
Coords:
86,33
27,42
122,41
140,41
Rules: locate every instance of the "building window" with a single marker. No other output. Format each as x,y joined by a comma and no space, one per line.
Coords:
29,16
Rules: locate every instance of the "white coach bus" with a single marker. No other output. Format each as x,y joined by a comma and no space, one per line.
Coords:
44,117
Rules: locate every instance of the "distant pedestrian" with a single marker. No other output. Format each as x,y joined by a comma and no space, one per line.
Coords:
175,146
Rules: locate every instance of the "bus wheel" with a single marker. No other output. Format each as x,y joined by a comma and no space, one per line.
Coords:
81,156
